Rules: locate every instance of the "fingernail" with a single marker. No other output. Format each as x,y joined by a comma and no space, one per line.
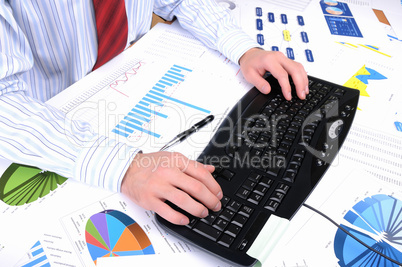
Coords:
303,94
184,221
218,206
265,89
219,195
306,90
289,96
204,213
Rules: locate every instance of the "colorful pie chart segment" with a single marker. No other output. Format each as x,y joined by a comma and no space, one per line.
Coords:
112,233
377,221
22,184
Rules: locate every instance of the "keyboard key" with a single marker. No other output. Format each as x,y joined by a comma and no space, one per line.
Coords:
289,176
249,184
283,188
265,181
261,189
227,214
273,171
239,220
277,196
210,218
226,174
243,193
243,244
225,200
207,231
233,230
271,205
254,177
234,206
220,224
226,240
255,198
246,211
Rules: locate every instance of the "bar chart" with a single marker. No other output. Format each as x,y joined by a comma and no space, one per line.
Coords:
152,104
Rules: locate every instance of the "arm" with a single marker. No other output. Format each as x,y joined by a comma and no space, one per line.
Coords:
217,29
34,133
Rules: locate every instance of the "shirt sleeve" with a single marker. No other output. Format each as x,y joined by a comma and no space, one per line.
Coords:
34,133
212,24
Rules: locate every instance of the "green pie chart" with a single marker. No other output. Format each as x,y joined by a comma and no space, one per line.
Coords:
22,184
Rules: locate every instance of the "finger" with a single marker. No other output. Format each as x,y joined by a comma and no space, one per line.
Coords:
259,82
299,77
201,173
169,214
283,79
210,168
197,190
183,200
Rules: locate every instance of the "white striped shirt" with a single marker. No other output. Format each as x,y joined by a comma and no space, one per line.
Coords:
47,45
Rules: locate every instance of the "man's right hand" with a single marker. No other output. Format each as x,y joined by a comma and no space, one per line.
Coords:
157,177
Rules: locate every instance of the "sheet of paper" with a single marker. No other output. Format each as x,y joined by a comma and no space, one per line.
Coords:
276,26
353,198
376,152
394,18
182,260
155,94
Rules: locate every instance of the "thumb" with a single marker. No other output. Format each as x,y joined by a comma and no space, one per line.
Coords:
259,82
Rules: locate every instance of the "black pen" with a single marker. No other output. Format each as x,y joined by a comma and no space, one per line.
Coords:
183,135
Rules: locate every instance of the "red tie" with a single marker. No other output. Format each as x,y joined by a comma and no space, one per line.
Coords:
112,29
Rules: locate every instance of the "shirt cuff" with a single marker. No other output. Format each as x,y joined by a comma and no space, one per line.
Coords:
104,162
235,43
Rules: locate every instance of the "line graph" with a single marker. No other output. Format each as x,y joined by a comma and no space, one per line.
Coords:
124,78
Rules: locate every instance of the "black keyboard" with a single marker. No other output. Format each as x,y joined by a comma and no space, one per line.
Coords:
269,155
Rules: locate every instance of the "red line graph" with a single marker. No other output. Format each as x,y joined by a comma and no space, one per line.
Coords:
124,78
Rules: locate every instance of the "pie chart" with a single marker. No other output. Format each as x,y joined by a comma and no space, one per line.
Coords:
334,10
112,233
22,184
377,221
331,2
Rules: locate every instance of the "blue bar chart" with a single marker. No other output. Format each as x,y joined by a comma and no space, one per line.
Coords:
152,104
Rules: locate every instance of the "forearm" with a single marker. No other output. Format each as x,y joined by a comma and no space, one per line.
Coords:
211,24
37,134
